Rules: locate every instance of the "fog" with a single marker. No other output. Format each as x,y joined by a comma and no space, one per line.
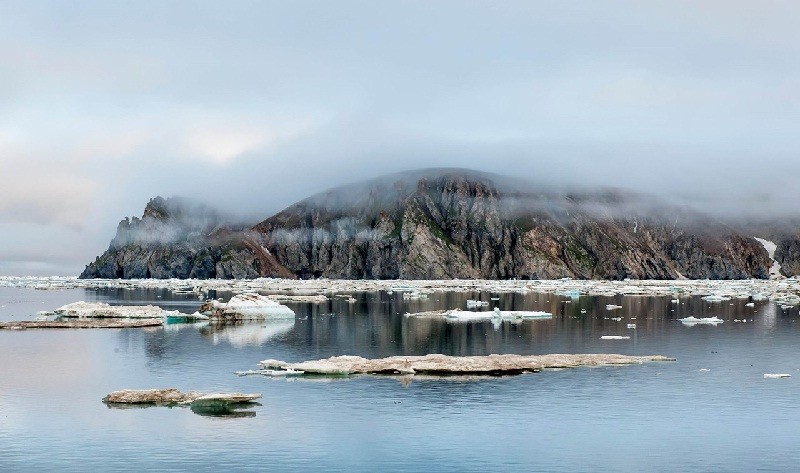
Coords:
251,106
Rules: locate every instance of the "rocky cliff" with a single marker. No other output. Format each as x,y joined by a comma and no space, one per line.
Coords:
179,239
442,224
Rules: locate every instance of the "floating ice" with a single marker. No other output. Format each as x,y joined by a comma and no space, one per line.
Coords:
98,310
613,307
452,365
701,321
776,375
716,298
615,337
246,307
471,304
496,314
784,291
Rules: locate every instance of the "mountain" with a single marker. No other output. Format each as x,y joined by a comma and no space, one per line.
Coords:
176,238
439,223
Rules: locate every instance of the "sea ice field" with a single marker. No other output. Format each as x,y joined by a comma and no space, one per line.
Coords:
727,402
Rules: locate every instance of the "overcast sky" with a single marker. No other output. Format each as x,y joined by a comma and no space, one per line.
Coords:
253,105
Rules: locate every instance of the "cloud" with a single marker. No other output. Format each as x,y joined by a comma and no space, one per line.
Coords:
251,106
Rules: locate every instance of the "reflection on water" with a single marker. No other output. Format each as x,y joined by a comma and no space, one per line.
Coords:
232,411
240,334
713,399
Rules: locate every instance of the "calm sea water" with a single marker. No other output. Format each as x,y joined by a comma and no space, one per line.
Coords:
650,417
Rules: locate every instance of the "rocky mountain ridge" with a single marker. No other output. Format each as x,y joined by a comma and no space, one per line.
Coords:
441,224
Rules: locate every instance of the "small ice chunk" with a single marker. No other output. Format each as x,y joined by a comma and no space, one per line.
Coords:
613,307
615,337
471,304
776,375
701,321
631,325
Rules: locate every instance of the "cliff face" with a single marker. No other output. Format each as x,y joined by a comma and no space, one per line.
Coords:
443,224
456,225
177,239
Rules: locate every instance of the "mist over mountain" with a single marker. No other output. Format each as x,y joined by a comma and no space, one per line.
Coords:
447,223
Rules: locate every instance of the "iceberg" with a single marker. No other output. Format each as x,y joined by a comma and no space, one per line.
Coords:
246,307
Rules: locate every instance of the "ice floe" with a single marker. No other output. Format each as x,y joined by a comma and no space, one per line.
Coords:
99,310
471,304
784,291
458,315
453,365
691,320
246,307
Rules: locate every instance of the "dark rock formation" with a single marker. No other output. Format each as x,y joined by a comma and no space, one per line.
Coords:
178,239
440,224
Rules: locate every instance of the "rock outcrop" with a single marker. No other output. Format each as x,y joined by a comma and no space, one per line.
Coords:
440,224
178,239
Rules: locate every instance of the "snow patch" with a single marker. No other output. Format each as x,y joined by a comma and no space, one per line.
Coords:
775,269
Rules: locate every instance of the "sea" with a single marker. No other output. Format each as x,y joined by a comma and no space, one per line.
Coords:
710,410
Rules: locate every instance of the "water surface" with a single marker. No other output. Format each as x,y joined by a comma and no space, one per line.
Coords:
658,416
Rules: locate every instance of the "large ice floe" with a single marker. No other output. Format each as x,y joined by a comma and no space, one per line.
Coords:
171,396
100,310
246,307
82,323
458,315
215,404
443,365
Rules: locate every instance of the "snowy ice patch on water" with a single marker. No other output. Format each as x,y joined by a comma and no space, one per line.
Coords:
775,270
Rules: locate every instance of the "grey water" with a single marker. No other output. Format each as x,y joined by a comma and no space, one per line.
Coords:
711,410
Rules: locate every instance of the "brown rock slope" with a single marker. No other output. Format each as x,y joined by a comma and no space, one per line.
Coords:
439,224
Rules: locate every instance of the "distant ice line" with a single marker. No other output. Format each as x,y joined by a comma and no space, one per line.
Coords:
785,291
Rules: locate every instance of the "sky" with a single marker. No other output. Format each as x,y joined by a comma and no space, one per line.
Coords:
250,106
